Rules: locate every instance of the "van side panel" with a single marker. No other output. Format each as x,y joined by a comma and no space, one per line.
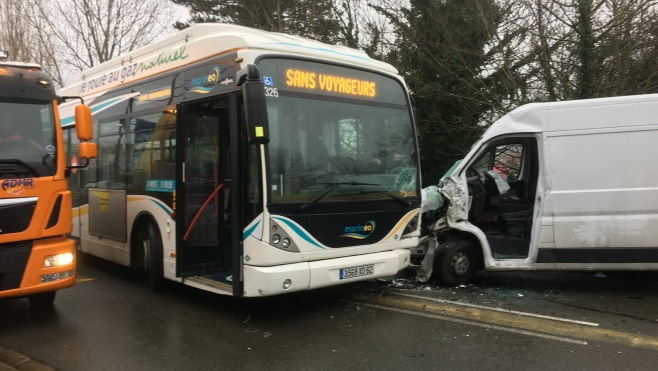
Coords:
604,185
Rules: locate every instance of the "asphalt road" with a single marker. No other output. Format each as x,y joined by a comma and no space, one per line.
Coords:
508,321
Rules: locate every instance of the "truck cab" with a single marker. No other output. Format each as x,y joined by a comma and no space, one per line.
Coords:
36,257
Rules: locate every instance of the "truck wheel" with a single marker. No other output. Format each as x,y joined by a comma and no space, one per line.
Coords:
457,263
153,258
42,300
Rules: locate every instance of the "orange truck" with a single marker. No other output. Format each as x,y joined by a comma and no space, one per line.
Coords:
36,257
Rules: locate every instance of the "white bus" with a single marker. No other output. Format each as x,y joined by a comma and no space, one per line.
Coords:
248,163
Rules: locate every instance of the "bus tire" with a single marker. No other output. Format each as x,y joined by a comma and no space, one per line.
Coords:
153,260
456,262
138,266
42,299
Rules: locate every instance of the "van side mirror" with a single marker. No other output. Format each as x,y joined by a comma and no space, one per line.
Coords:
253,94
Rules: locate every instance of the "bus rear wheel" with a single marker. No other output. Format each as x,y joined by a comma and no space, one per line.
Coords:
42,300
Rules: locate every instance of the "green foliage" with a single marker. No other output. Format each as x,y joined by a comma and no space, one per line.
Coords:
440,51
314,19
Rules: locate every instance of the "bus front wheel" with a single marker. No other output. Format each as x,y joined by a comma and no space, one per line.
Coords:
153,261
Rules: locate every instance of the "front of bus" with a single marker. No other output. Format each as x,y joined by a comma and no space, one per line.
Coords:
342,180
35,206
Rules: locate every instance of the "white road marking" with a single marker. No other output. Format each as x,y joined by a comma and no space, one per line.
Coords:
497,309
469,323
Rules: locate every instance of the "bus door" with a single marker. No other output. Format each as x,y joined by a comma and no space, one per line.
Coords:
203,191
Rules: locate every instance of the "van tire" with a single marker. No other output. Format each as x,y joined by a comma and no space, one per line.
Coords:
456,262
153,261
42,299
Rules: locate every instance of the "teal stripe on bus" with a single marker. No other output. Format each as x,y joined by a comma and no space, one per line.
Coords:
94,109
248,231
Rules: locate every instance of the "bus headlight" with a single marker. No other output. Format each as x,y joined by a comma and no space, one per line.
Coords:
280,239
57,260
412,226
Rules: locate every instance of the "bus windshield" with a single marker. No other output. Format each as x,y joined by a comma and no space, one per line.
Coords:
27,137
337,130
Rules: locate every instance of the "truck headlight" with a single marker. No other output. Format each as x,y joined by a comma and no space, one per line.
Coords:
57,260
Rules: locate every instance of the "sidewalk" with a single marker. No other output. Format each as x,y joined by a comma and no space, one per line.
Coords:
11,360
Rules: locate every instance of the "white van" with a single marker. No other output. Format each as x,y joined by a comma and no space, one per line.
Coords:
552,186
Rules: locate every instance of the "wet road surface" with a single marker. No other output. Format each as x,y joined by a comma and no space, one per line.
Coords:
506,321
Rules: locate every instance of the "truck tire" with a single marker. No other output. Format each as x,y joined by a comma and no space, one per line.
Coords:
153,260
42,299
456,262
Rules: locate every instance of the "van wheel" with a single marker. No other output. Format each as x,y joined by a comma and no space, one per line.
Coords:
153,261
456,262
42,300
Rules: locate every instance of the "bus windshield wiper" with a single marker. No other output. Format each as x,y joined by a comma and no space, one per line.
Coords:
329,187
399,199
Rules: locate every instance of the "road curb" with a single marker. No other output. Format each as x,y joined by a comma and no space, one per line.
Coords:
11,360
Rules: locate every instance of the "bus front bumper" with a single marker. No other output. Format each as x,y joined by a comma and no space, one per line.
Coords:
265,281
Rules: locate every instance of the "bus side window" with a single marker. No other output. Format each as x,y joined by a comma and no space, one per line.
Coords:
151,139
171,146
112,155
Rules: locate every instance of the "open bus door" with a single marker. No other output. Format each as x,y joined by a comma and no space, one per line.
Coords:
207,220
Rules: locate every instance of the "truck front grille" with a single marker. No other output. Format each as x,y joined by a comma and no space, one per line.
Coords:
16,213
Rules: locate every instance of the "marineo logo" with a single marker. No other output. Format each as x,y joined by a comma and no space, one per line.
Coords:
359,231
211,78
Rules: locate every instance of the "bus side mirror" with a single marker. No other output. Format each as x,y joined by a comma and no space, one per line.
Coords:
83,128
87,150
253,94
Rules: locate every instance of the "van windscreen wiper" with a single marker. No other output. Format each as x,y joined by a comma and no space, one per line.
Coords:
329,187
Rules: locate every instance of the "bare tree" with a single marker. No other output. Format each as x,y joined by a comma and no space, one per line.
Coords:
85,33
20,35
590,48
15,35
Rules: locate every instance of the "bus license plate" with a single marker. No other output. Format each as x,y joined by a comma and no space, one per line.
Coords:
364,270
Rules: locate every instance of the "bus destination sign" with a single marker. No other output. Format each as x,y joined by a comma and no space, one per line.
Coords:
312,80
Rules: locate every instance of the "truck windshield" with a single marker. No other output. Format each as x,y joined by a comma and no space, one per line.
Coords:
27,139
356,135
